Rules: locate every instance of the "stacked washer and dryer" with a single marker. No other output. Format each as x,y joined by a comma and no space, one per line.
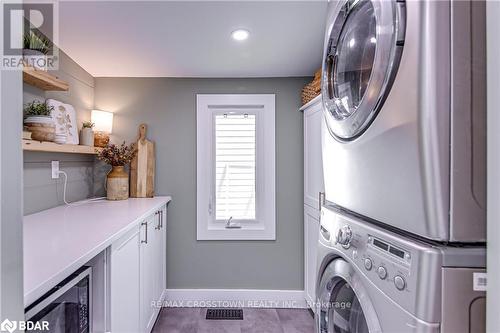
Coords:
403,228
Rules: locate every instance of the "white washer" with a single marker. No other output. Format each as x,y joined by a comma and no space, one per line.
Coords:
373,280
404,96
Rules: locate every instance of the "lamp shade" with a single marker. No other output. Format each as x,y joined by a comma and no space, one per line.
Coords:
103,120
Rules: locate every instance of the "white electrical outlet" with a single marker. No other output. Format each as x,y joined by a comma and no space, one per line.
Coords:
55,169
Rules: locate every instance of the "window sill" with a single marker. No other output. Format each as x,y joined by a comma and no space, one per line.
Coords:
244,233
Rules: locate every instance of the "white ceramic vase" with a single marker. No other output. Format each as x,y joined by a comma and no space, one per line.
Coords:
87,137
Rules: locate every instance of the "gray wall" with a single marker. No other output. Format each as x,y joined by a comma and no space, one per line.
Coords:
40,190
168,107
493,56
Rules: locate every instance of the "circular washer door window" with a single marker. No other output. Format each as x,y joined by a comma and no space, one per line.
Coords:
343,304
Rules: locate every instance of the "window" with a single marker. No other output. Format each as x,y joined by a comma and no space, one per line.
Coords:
235,167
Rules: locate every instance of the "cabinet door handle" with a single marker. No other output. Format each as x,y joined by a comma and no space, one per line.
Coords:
146,232
160,221
321,200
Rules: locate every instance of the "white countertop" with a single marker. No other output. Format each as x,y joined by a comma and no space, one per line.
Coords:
59,240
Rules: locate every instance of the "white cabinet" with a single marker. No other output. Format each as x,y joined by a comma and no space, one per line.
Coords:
153,254
163,258
124,283
148,269
137,275
311,234
313,192
313,165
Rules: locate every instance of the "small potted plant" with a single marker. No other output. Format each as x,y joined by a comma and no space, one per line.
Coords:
87,134
39,122
35,49
117,180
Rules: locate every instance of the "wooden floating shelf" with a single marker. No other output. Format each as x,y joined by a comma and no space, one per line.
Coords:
32,145
43,80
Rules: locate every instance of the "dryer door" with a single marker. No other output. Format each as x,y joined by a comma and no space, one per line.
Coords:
363,47
343,304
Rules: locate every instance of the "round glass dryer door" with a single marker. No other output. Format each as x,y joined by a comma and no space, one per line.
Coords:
364,46
343,306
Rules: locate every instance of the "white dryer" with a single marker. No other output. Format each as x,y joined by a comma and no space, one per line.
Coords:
374,280
403,90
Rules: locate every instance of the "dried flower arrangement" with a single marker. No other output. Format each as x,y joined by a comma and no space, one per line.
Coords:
117,155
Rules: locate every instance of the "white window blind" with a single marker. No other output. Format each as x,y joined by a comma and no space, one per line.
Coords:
235,158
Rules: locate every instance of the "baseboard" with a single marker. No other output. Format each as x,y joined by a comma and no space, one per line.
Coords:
235,298
163,296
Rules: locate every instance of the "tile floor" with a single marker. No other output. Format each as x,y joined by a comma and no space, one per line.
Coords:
192,320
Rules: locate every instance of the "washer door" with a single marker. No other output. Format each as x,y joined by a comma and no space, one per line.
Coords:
343,304
362,53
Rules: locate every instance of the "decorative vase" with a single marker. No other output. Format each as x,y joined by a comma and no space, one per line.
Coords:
117,184
42,128
87,137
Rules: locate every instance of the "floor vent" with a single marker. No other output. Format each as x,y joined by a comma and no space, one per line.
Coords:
224,314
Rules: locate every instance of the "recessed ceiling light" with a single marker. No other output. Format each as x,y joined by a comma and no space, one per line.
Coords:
240,34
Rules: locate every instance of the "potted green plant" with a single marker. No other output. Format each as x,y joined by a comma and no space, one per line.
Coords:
39,122
117,180
87,134
35,49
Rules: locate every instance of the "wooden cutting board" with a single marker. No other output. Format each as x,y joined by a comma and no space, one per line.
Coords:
142,168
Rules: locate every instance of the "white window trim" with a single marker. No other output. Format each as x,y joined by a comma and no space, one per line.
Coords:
264,228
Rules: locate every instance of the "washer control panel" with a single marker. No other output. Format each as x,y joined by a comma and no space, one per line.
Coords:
391,263
381,257
383,261
386,247
386,261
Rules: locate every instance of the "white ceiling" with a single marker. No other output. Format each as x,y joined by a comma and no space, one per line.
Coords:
192,38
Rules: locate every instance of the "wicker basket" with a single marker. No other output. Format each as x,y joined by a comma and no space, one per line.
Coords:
317,75
312,89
